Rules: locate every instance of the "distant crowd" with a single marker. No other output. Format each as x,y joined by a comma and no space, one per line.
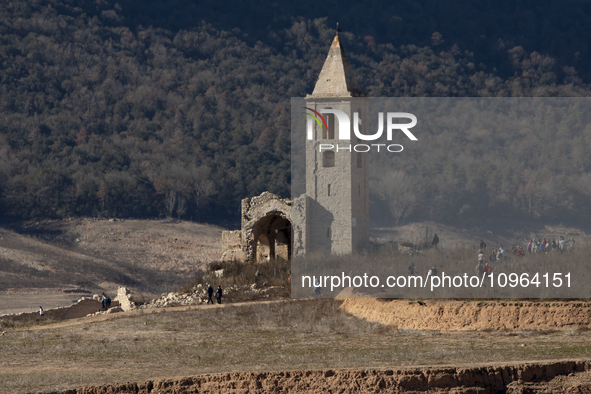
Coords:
544,246
533,247
536,247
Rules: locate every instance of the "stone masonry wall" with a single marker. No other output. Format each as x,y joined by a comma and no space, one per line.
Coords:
258,213
232,246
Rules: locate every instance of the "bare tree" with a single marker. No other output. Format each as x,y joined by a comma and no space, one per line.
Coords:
181,206
102,194
170,202
203,188
395,188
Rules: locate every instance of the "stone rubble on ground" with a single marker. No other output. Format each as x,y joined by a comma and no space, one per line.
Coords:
197,297
258,290
114,310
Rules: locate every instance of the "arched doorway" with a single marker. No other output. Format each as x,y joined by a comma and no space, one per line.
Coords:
272,238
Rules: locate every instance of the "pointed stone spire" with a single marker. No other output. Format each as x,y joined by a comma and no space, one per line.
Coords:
336,78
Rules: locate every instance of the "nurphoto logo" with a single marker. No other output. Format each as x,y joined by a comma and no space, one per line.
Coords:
344,130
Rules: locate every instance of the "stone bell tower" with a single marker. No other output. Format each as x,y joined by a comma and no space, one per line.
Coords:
337,184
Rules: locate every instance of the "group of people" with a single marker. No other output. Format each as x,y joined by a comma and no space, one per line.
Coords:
499,254
483,266
533,246
544,246
218,294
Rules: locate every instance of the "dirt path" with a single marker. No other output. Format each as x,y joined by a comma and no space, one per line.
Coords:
139,312
404,314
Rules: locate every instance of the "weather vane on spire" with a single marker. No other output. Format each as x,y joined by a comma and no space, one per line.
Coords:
338,30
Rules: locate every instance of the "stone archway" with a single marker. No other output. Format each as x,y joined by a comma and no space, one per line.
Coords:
266,231
272,238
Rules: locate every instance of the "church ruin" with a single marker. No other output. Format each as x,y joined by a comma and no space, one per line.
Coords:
333,215
265,232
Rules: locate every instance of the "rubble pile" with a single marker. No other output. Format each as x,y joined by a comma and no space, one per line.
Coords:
196,297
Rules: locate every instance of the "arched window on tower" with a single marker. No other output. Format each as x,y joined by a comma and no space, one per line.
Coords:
328,158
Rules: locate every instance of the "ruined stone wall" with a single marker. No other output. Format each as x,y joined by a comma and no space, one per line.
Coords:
256,209
232,246
266,220
124,299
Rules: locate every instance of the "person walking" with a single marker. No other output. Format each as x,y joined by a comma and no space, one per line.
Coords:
209,294
503,252
480,256
317,289
561,243
529,245
571,245
432,271
488,269
493,256
218,294
41,311
480,269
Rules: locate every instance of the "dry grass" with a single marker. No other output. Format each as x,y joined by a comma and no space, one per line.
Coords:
151,256
274,273
264,336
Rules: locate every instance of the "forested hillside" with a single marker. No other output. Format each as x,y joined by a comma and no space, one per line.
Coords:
181,108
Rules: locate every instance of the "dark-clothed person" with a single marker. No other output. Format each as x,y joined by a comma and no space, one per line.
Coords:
209,294
218,295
